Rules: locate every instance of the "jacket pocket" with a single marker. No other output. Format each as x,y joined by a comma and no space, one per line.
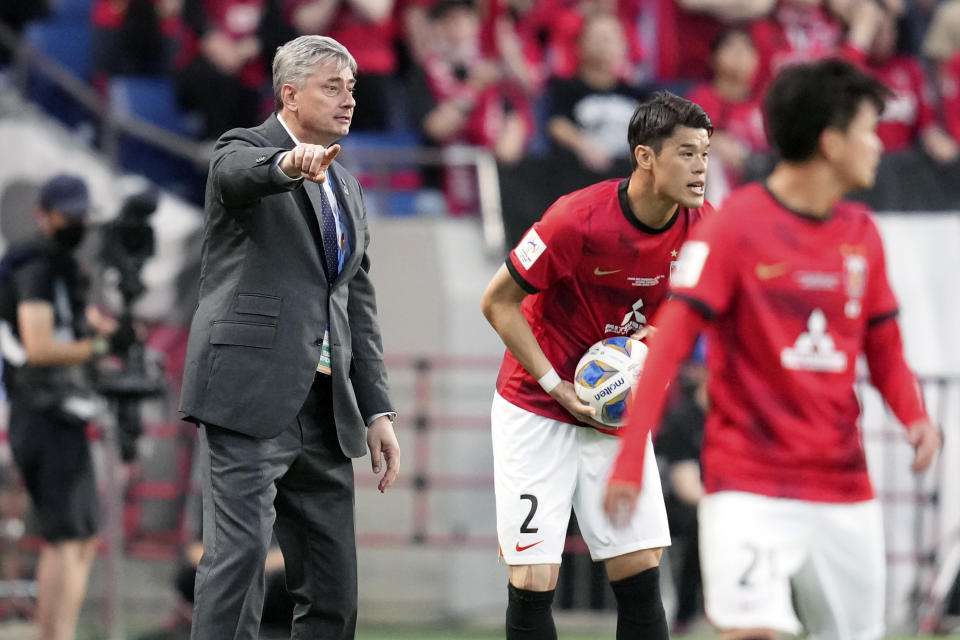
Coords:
243,334
258,304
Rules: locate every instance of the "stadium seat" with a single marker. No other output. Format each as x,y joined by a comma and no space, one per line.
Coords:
151,98
154,100
74,10
65,40
68,43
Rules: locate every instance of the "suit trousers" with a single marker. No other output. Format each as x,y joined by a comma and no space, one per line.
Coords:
300,484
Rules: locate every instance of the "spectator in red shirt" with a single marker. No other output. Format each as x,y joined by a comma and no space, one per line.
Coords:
808,30
798,31
134,37
554,27
686,29
515,30
461,95
415,28
368,29
942,45
220,71
909,116
733,109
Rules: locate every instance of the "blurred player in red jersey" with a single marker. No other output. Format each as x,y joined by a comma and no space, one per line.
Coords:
596,265
791,283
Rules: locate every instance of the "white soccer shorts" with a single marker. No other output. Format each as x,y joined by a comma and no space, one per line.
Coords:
542,468
754,549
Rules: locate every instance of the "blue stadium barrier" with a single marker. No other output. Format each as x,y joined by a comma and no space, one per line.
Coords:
151,98
381,192
154,99
66,40
73,10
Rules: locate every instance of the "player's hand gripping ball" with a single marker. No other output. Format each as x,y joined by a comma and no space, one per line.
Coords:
606,374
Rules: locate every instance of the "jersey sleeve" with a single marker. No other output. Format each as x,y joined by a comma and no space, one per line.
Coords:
679,328
879,303
890,374
548,252
706,275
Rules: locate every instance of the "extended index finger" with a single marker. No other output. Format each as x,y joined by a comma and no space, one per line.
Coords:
323,162
329,154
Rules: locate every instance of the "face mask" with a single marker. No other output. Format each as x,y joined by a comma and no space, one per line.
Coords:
69,237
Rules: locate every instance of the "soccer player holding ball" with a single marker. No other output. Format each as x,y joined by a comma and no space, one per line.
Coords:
790,282
597,265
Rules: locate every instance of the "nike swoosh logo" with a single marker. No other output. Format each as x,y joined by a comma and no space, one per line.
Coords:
598,272
769,271
519,548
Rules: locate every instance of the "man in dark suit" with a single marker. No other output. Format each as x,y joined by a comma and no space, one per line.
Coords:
284,371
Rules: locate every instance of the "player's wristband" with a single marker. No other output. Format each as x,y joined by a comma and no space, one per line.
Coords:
549,380
100,346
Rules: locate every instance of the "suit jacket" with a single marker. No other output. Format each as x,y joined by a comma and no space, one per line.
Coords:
265,301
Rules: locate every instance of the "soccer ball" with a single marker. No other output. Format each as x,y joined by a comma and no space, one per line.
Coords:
606,374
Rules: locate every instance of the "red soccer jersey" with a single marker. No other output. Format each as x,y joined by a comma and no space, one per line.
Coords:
795,33
910,109
791,299
594,271
371,43
742,121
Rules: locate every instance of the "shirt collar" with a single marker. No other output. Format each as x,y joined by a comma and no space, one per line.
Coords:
326,184
287,129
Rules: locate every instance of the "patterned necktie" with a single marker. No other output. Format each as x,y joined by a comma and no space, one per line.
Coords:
328,230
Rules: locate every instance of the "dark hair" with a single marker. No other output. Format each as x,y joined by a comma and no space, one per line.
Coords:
656,118
806,99
441,8
727,34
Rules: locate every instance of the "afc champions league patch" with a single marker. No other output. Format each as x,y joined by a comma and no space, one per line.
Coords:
530,248
854,279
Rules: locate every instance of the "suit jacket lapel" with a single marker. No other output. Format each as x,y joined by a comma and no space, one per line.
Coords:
308,207
347,199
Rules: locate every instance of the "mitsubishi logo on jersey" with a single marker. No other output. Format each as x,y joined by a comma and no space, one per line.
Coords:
635,313
814,349
631,322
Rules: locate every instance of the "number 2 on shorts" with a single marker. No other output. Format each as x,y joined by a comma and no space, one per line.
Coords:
525,527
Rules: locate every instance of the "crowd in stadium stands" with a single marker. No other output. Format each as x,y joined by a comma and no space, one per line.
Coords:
548,85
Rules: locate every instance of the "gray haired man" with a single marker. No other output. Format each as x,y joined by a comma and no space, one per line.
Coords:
284,373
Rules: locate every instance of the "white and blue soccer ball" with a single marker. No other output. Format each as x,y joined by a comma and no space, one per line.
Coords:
606,374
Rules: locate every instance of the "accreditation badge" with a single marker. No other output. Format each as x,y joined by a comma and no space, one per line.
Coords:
324,365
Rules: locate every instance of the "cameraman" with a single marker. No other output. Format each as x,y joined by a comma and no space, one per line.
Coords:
45,332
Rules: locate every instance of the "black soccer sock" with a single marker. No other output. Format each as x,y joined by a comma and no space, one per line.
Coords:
640,613
528,615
